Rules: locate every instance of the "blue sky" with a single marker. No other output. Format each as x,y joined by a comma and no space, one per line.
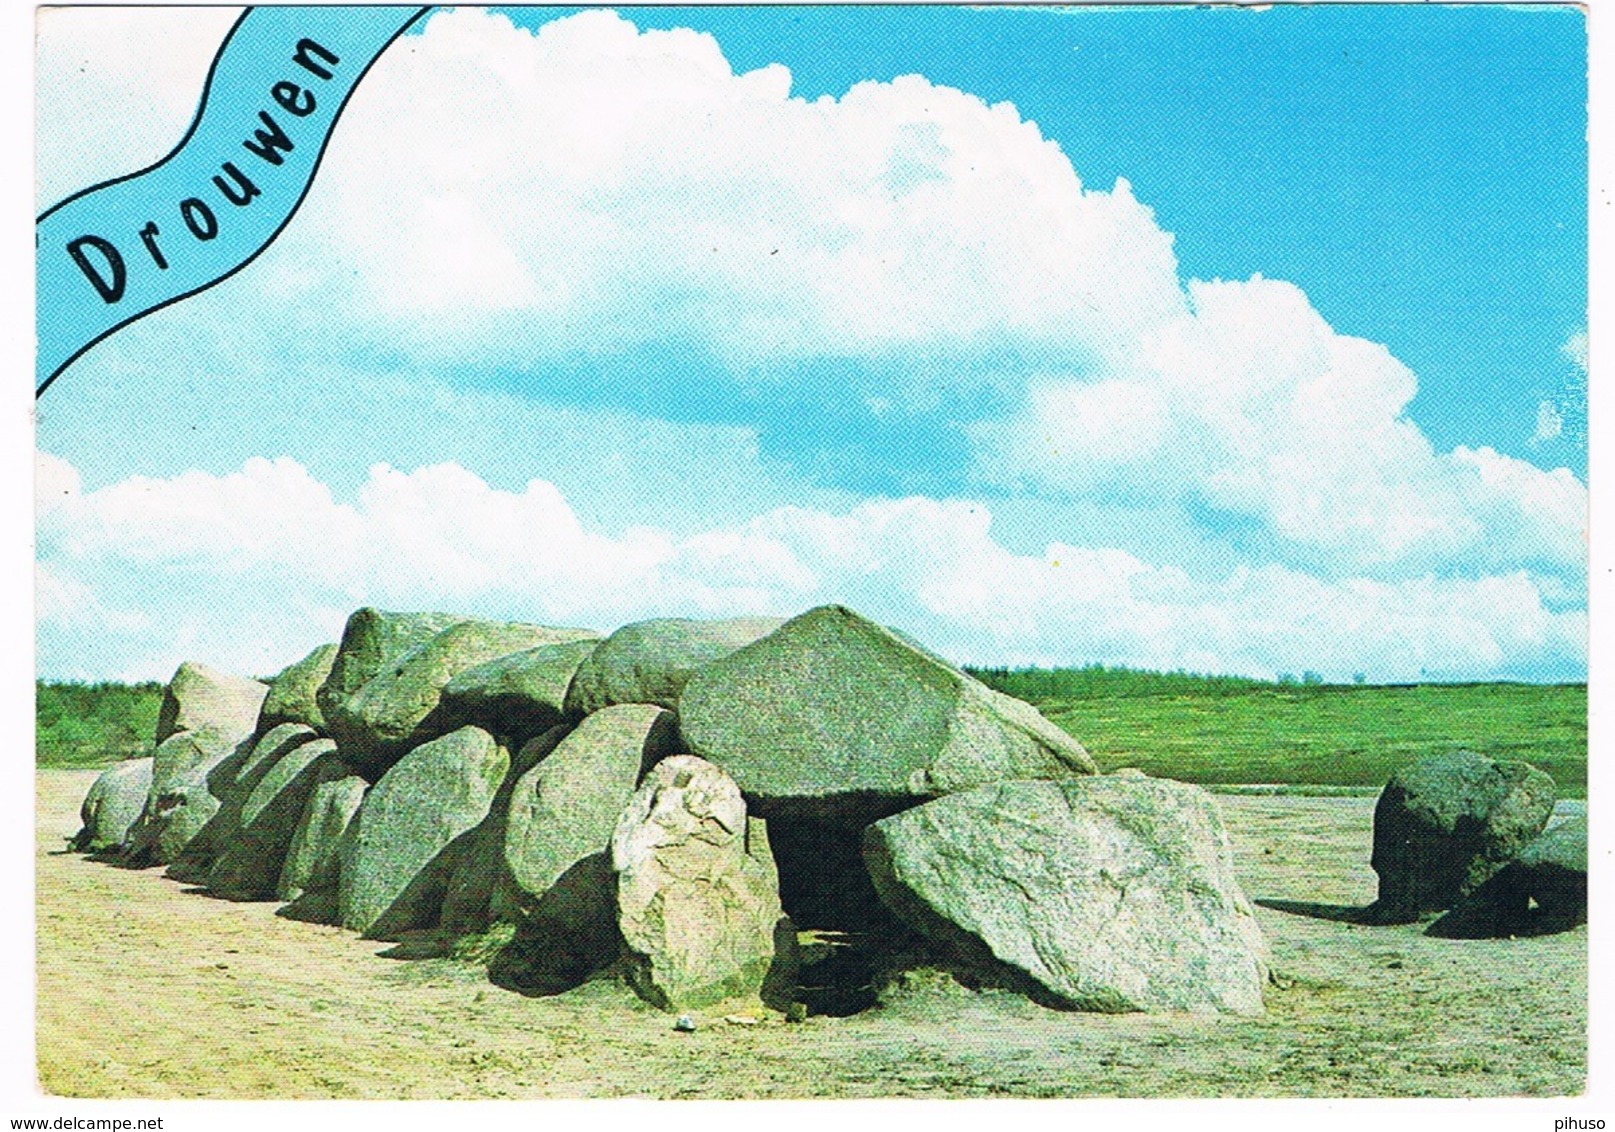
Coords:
1227,340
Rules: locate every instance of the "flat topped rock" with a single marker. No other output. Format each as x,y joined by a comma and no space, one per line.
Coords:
1445,824
294,693
199,697
371,640
832,715
520,694
649,662
398,707
1101,893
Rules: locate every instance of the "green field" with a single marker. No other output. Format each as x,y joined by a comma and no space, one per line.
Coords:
1216,730
1210,730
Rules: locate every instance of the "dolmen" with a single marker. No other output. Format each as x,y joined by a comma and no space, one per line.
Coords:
678,804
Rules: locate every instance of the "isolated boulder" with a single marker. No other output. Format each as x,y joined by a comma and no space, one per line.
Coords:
398,708
248,866
200,697
314,857
1446,823
371,641
697,894
180,805
521,694
410,830
649,662
1103,893
834,716
294,693
113,805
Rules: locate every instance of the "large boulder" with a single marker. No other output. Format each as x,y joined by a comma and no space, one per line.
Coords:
519,695
314,857
199,697
180,804
1544,889
1446,823
833,716
470,902
371,641
558,882
398,708
409,832
113,805
248,866
697,892
1110,893
650,662
294,693
231,781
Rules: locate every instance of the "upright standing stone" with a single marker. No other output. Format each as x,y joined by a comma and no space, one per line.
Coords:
314,858
113,805
1446,823
409,833
230,782
469,905
650,662
199,697
180,804
835,717
562,813
1110,893
249,866
697,893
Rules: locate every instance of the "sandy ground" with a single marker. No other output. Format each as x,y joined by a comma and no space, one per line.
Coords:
148,990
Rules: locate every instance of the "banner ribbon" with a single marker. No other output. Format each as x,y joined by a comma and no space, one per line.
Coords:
117,251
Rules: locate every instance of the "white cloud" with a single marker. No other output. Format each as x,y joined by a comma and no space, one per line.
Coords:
251,569
1251,403
1575,348
1550,424
588,188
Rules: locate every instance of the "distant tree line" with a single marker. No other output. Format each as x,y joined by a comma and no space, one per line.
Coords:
79,724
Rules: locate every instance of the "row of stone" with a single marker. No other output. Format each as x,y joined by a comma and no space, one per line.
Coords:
975,820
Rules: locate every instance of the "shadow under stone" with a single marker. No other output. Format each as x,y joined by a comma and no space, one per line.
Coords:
1340,913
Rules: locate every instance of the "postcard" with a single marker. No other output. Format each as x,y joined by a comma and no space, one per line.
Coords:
812,552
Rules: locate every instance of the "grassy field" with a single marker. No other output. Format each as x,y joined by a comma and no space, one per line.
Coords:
1213,730
1210,730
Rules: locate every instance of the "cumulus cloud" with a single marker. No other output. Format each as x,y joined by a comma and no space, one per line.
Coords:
251,569
587,190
